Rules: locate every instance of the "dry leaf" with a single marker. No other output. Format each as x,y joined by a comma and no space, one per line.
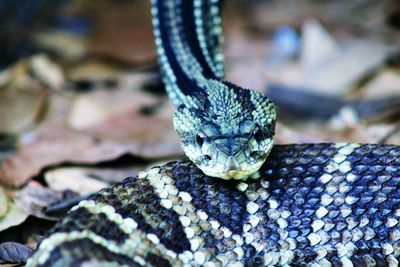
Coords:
57,144
12,252
351,63
93,70
34,197
47,72
91,109
75,179
386,83
68,46
287,135
15,215
3,202
22,98
129,132
383,132
111,174
318,45
87,111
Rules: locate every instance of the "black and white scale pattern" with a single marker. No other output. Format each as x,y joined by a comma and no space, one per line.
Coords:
226,130
314,205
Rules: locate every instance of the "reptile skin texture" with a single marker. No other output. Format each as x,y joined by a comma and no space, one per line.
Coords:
224,129
308,205
313,205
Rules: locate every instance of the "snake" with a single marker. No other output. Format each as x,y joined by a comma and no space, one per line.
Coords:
236,199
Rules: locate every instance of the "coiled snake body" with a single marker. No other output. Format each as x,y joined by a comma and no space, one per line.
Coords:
308,205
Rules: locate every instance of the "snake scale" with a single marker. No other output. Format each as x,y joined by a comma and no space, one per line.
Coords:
307,205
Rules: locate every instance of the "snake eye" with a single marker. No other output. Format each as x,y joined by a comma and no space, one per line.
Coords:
199,140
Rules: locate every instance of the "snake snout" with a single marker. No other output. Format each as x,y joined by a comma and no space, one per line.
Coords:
231,165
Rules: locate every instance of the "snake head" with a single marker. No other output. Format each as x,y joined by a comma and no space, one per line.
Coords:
231,139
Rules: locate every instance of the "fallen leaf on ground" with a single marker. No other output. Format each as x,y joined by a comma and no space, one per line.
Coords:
288,135
47,72
385,83
93,70
59,208
111,174
351,63
75,179
3,203
318,45
55,145
12,252
23,97
128,132
63,44
15,215
34,197
91,109
87,111
383,133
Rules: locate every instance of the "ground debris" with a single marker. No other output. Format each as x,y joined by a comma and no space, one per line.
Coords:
12,252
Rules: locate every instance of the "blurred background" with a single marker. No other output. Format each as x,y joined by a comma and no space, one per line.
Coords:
82,104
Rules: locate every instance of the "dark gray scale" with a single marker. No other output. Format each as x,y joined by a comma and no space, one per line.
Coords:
81,219
156,260
135,198
294,175
297,186
79,252
220,199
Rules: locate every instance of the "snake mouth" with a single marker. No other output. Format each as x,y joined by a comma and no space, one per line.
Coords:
239,174
229,162
238,166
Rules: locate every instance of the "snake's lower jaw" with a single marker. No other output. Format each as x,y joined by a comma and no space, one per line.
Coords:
220,162
241,172
234,175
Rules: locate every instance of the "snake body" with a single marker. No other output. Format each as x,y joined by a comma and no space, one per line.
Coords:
311,205
314,205
226,130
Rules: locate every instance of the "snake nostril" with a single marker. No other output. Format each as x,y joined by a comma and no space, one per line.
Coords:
255,154
207,157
